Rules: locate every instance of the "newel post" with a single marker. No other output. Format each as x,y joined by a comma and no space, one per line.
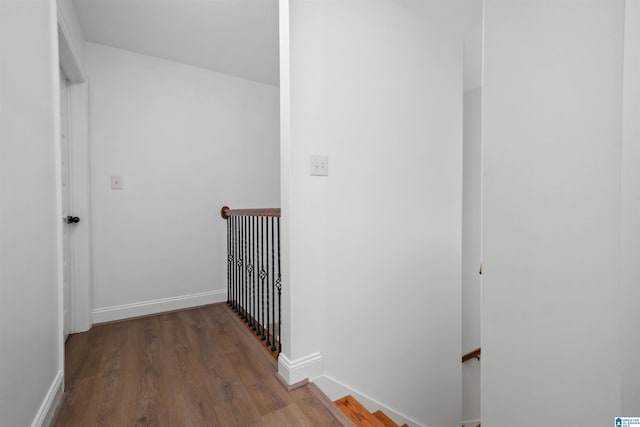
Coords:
223,212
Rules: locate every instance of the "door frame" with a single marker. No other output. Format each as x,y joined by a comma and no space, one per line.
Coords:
81,262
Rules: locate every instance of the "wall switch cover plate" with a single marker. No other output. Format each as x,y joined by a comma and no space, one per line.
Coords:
319,165
116,182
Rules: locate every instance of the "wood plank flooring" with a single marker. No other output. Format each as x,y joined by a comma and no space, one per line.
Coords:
197,367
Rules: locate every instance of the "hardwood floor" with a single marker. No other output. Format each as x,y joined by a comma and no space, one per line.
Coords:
198,367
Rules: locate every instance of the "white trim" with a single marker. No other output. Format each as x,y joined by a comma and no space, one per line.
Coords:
78,133
294,371
57,156
285,173
334,389
80,207
67,257
69,58
47,410
144,308
470,423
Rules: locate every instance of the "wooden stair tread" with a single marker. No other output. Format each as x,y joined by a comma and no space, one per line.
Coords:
388,422
357,413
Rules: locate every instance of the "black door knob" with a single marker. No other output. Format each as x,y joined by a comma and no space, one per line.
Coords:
72,219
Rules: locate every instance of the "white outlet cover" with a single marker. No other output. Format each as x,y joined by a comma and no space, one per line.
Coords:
319,165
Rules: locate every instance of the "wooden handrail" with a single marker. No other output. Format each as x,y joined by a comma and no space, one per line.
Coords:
475,354
226,212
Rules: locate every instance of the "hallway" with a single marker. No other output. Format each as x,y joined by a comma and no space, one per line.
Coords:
194,367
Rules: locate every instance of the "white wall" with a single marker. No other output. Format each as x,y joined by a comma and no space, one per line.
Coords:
186,141
551,212
630,291
30,334
375,247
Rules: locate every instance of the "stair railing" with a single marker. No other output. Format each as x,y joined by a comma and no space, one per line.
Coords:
474,354
254,281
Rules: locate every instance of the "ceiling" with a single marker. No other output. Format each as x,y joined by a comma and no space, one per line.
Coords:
237,37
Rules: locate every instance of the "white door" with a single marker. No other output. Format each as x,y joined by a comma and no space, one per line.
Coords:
66,201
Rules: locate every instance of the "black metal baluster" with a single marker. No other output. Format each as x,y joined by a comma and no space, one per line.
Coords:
235,264
243,291
273,289
232,267
242,269
259,278
228,259
254,315
263,274
238,265
268,324
279,286
249,269
246,275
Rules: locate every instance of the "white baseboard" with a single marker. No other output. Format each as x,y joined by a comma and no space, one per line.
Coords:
471,423
335,390
294,371
145,308
50,403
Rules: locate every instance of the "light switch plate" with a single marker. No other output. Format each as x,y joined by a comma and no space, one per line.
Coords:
319,165
116,182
